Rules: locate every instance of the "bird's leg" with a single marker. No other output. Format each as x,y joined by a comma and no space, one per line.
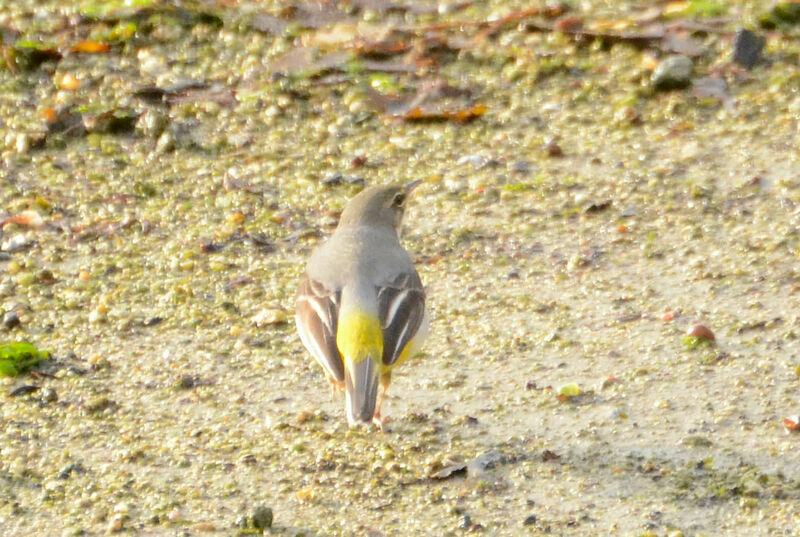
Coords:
384,386
335,387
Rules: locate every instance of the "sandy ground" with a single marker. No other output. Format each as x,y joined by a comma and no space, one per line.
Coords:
179,401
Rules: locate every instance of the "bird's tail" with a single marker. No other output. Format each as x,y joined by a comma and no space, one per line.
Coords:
361,389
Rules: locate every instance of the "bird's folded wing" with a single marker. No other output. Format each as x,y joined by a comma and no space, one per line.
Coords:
317,321
401,306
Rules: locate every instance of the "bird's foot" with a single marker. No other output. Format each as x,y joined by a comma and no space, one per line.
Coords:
335,388
380,421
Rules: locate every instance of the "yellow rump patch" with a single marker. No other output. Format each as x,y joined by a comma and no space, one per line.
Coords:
359,335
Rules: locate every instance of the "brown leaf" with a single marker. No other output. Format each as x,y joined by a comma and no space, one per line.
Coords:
92,47
308,60
547,12
221,95
238,281
792,424
711,87
569,23
434,101
682,44
462,116
450,471
25,218
269,24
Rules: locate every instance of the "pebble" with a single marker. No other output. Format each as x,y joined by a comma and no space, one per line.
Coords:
530,520
674,72
165,143
11,320
262,517
701,332
97,315
553,149
747,47
522,166
116,524
49,395
15,243
152,123
465,522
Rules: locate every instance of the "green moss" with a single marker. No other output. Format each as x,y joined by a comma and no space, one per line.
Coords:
17,358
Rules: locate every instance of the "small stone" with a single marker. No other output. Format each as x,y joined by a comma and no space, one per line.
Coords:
530,520
674,72
22,143
97,315
49,395
117,523
270,316
262,517
152,123
701,332
11,320
553,149
165,143
16,243
98,404
465,522
747,47
522,166
696,441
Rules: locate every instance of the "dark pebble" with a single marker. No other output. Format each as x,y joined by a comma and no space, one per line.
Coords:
338,178
530,520
262,517
11,319
70,469
747,47
522,166
5,256
23,390
674,72
554,150
152,321
186,382
333,179
465,523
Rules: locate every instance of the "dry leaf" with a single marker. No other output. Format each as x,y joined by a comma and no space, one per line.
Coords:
92,47
306,494
791,424
25,218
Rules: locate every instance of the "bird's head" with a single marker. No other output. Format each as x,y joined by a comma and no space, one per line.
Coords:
378,206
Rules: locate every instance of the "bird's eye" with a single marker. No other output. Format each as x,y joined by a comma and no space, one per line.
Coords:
399,200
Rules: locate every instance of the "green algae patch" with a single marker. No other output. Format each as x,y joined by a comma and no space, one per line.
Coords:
694,342
17,358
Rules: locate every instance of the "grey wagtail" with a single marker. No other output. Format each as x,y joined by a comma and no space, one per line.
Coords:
360,304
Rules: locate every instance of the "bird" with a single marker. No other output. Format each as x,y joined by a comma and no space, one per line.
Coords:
360,308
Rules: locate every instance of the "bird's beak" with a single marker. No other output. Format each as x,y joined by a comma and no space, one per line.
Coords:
412,185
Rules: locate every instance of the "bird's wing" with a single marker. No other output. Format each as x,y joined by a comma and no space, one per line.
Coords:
317,319
401,307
